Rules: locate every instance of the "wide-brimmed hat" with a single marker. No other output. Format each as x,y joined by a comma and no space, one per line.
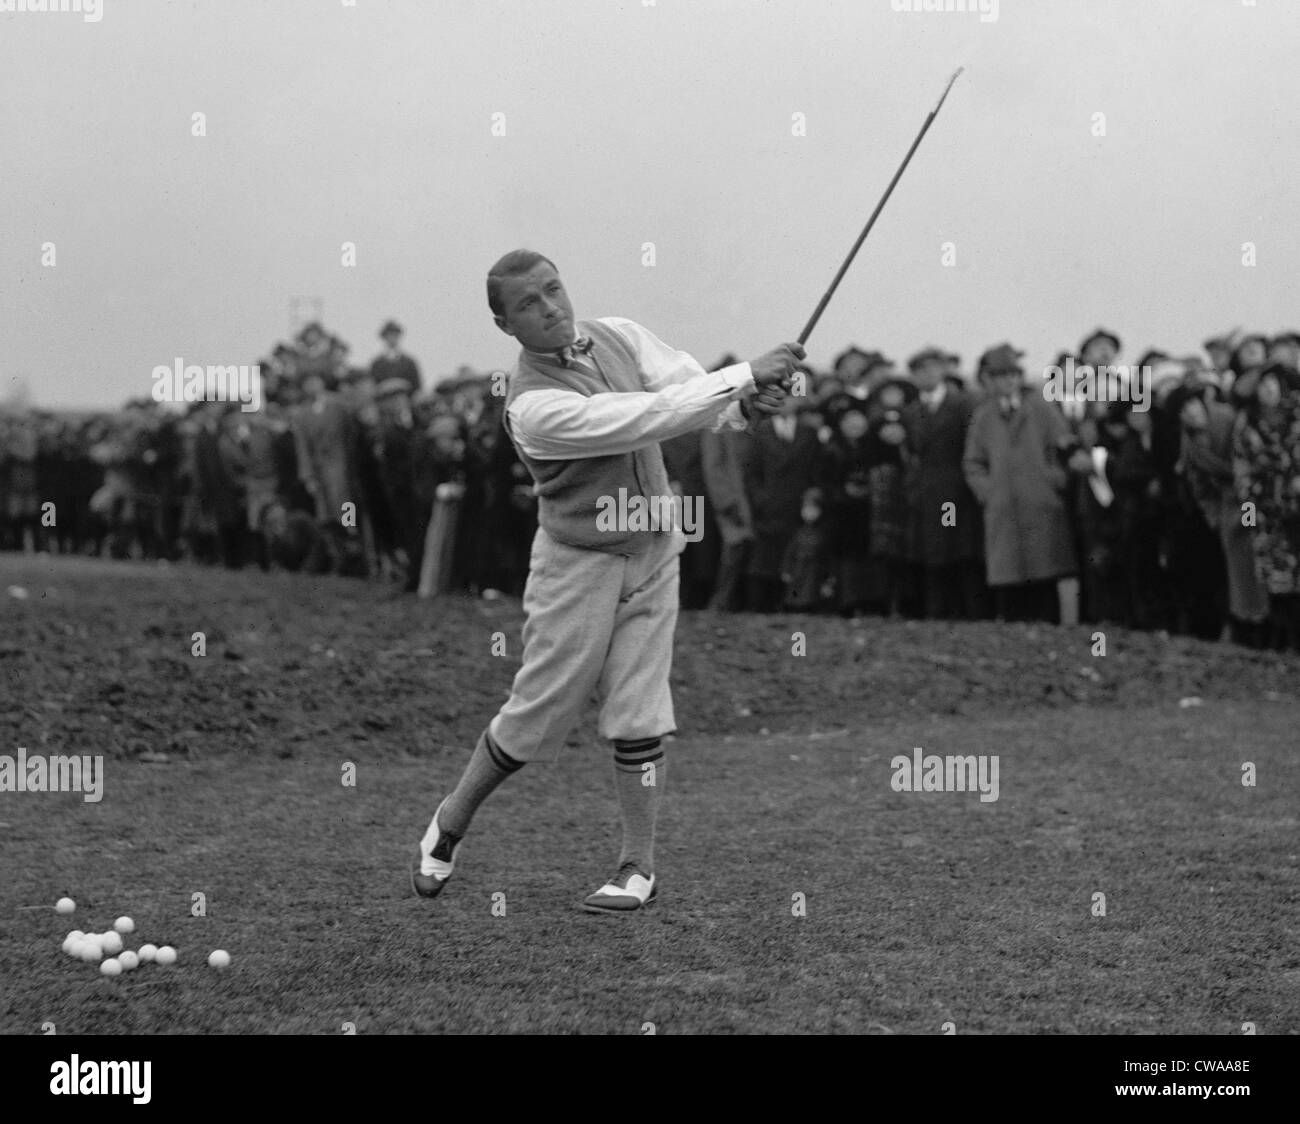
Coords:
1152,356
876,359
389,328
927,355
1099,334
850,353
1002,359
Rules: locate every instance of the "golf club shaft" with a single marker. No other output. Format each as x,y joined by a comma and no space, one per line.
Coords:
826,299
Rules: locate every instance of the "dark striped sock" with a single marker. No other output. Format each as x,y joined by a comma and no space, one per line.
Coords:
640,790
488,766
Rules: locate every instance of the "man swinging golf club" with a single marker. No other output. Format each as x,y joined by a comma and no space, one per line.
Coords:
588,403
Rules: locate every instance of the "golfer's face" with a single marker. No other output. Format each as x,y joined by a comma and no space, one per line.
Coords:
537,309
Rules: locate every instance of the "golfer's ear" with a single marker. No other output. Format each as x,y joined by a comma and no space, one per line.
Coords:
500,322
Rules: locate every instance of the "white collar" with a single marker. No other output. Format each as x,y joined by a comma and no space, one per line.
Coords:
554,356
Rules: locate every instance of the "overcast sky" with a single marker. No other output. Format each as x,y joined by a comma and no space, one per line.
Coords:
627,123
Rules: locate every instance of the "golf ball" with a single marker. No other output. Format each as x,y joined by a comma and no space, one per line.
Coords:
65,905
90,951
111,943
219,959
111,967
165,955
72,940
129,961
124,925
147,953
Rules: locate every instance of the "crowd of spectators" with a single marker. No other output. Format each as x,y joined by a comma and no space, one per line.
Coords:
1169,500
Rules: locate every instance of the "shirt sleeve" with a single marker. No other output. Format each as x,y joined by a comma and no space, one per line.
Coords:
680,396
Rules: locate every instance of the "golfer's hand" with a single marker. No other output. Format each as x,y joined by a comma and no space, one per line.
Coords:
777,367
768,400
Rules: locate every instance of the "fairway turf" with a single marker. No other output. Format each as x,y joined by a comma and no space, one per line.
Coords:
921,909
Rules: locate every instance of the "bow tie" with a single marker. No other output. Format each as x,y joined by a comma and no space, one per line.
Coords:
581,346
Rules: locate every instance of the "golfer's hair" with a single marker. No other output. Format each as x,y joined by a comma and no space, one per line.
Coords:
512,265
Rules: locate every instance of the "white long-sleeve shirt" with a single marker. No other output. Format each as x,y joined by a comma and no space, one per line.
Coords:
679,396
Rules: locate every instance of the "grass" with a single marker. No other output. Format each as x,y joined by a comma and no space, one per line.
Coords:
921,909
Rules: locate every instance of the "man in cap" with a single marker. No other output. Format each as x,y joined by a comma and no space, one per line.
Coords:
1099,349
587,405
1013,465
393,362
1220,349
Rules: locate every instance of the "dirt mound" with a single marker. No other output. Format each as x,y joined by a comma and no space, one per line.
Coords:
375,670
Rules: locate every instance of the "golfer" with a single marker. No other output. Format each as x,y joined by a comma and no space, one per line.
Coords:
587,405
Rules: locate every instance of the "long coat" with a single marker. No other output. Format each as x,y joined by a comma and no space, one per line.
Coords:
1012,464
1267,462
723,456
936,444
777,475
326,437
1207,464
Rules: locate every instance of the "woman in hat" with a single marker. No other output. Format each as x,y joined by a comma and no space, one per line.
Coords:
1134,471
890,516
847,505
1195,563
1248,359
1266,462
1207,464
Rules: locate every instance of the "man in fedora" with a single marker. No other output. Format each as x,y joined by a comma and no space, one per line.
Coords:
1013,464
393,362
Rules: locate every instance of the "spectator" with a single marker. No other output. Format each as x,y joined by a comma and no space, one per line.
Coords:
1133,473
1012,465
1207,451
1195,564
684,462
946,522
1247,361
891,568
1267,469
846,486
783,466
393,362
803,570
325,431
722,459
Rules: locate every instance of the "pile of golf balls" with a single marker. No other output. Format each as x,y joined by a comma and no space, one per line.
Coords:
108,950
